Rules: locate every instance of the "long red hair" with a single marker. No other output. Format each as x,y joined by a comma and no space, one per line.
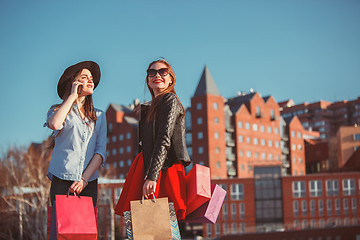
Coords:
171,88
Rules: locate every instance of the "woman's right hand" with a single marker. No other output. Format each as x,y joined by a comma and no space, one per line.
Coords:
149,188
74,89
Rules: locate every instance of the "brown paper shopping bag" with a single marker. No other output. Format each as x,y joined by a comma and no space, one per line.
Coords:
151,219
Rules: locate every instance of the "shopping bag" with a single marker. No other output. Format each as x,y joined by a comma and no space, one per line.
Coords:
173,222
209,212
150,219
198,187
51,222
75,217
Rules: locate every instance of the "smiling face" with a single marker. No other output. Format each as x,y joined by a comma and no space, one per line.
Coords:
159,82
86,80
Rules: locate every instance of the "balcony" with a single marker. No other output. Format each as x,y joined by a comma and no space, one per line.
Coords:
230,143
285,150
285,164
230,157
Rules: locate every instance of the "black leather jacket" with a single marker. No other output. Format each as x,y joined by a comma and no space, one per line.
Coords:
163,139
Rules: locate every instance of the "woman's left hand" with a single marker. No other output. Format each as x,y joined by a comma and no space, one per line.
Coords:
78,186
149,188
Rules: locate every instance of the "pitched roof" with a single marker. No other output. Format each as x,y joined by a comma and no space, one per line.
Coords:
121,108
206,84
236,102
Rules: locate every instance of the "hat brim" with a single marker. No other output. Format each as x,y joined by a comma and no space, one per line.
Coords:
93,67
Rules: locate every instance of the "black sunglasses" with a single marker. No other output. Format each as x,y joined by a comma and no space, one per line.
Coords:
162,71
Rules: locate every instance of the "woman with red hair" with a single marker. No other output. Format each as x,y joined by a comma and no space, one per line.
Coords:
159,168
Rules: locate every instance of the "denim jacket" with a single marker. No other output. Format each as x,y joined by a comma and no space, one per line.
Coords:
77,143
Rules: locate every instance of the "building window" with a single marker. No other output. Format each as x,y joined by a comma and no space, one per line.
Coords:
315,188
353,205
255,127
356,137
233,228
241,153
237,191
200,135
208,230
337,206
121,137
216,106
129,162
262,128
304,208
198,106
299,189
240,124
241,138
256,141
128,136
277,144
216,135
293,146
114,152
242,210
276,130
296,208
113,138
269,129
217,150
200,150
199,121
218,165
247,126
312,207
294,159
346,206
270,143
263,142
217,229
216,120
248,140
225,211
128,149
248,154
321,207
121,164
233,211
299,135
226,228
121,150
332,187
300,147
272,114
348,187
258,111
329,207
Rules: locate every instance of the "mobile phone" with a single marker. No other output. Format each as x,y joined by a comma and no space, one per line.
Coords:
80,88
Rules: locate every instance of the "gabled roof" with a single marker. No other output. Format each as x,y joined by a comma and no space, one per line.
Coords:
206,84
236,102
121,108
131,121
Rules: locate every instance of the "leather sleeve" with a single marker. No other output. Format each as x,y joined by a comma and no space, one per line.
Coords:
168,113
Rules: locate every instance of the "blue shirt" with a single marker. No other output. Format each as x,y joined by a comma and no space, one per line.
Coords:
76,144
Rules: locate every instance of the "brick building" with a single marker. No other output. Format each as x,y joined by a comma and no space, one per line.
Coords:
324,116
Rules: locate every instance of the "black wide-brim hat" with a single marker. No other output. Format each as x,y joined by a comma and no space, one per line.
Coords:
68,74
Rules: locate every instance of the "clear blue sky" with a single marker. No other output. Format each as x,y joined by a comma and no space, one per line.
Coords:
306,50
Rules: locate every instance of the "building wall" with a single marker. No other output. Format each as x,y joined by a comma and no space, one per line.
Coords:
348,141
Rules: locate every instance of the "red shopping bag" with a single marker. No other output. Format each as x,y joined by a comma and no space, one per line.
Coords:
75,218
198,188
209,212
51,222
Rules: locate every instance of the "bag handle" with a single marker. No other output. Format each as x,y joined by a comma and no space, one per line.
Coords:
75,194
142,198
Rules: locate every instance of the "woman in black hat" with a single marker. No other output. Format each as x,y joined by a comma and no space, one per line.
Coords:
79,130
